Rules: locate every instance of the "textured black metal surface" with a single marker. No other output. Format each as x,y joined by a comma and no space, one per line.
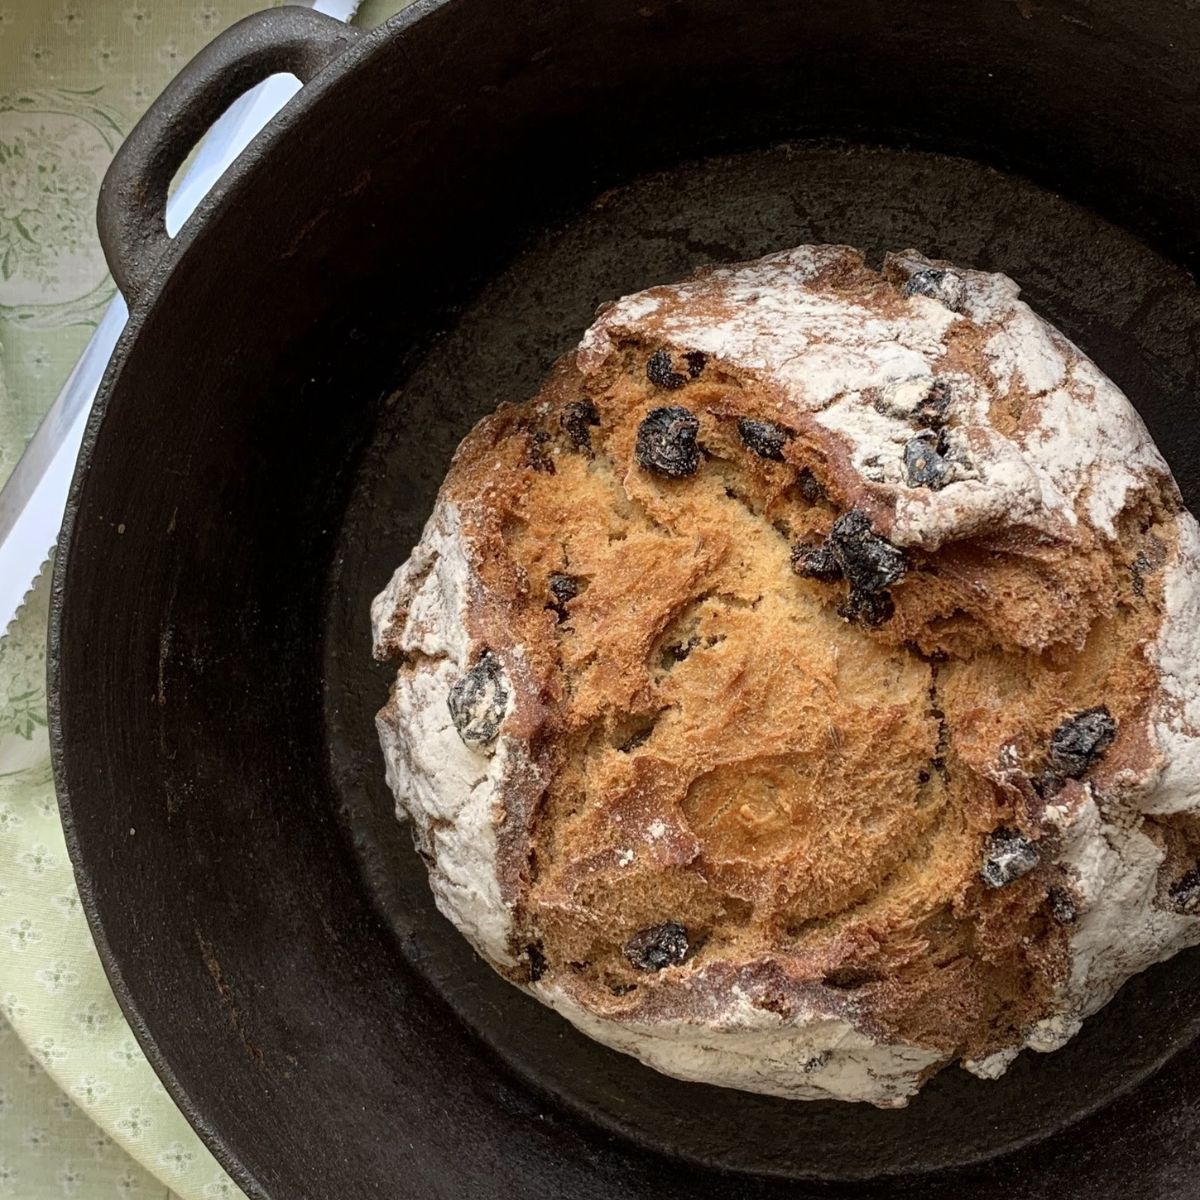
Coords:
262,918
131,212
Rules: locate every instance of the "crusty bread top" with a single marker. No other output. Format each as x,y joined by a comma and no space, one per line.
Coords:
782,687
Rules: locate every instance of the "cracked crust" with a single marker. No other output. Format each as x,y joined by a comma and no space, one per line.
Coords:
694,737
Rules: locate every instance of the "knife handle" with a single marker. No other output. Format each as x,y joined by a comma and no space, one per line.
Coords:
131,213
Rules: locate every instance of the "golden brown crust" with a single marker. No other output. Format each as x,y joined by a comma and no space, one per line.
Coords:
708,741
726,751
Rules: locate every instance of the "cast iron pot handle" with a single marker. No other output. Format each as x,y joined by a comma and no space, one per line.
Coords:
131,213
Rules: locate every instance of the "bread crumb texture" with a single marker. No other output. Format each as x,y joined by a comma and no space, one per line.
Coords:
788,692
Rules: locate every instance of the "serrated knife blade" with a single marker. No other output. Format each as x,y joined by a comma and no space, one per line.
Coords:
34,498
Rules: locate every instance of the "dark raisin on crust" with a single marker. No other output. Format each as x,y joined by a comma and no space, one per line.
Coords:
576,420
666,442
537,453
868,608
563,588
1007,856
1146,564
536,960
870,562
809,486
1137,572
816,562
696,361
1184,893
941,285
1147,561
933,408
924,282
1047,784
660,370
1062,905
924,464
478,701
1081,740
657,946
765,438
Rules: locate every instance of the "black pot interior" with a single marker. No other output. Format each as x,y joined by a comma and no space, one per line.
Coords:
426,233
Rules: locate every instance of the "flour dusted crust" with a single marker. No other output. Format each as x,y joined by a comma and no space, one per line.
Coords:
732,816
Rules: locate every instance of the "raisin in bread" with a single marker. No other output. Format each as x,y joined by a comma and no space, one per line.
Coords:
800,692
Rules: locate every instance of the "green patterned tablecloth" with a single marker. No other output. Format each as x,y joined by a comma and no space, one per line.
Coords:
81,1113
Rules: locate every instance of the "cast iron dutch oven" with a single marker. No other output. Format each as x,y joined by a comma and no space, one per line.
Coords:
429,223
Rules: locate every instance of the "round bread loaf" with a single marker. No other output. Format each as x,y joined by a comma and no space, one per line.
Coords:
800,693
